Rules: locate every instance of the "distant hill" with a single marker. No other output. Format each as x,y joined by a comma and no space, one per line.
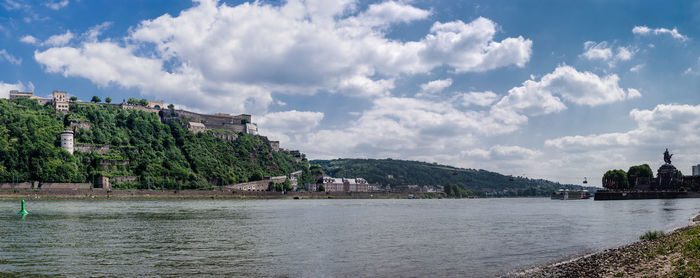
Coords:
479,182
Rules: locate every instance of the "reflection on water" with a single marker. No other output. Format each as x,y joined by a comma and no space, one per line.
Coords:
333,238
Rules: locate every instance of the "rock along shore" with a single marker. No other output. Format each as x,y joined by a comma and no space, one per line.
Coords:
675,255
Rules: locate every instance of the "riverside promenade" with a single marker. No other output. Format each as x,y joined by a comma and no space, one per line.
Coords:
96,193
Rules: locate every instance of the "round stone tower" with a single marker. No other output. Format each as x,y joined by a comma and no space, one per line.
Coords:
67,141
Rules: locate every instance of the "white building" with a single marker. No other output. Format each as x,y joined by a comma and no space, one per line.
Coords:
67,141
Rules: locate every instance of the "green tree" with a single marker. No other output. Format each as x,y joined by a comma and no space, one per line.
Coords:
171,106
288,185
635,173
143,102
108,100
132,101
321,188
73,98
95,99
615,179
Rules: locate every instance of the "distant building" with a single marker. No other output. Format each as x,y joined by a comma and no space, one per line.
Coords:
196,127
345,185
67,141
696,170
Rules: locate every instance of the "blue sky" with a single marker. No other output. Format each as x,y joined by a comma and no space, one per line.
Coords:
547,89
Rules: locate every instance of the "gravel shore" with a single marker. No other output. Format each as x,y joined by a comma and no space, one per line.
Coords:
675,255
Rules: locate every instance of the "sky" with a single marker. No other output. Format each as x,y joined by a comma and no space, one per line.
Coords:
559,90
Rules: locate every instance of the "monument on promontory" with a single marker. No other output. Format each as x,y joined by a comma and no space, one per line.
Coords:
668,183
667,175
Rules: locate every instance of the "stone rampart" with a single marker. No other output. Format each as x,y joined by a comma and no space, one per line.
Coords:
76,125
122,179
261,185
59,185
217,121
22,185
86,148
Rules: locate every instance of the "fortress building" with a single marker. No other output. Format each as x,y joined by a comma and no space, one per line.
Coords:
67,141
17,94
155,104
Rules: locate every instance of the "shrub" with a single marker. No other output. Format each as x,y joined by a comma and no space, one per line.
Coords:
650,235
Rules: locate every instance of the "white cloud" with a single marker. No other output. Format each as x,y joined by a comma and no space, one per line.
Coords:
29,39
500,152
436,86
288,125
7,57
599,51
386,13
545,96
624,54
666,125
56,5
300,47
5,88
59,40
95,31
476,98
633,93
637,68
644,30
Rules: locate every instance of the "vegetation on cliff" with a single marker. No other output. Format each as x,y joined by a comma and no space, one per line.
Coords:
458,182
160,155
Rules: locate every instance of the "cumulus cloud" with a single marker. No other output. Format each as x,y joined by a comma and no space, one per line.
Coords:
436,86
11,59
545,96
602,52
644,30
503,152
289,125
672,126
59,40
29,39
476,98
5,88
637,68
599,51
240,55
56,5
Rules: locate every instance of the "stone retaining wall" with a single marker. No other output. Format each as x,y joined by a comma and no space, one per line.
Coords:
59,185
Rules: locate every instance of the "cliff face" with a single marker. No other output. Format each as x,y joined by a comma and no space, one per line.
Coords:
158,154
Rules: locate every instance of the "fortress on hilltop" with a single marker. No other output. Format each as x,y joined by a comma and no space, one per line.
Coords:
221,125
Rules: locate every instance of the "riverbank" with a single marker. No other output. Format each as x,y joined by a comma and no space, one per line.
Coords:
97,194
675,255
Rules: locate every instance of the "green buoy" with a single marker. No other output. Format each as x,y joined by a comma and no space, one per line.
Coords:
23,212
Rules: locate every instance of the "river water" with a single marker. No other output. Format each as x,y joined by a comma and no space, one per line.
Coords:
318,238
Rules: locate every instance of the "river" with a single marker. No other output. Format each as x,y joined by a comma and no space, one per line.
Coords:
318,238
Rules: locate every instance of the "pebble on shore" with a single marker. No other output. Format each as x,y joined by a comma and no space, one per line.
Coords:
665,256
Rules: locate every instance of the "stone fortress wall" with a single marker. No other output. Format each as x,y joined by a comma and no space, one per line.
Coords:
229,122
